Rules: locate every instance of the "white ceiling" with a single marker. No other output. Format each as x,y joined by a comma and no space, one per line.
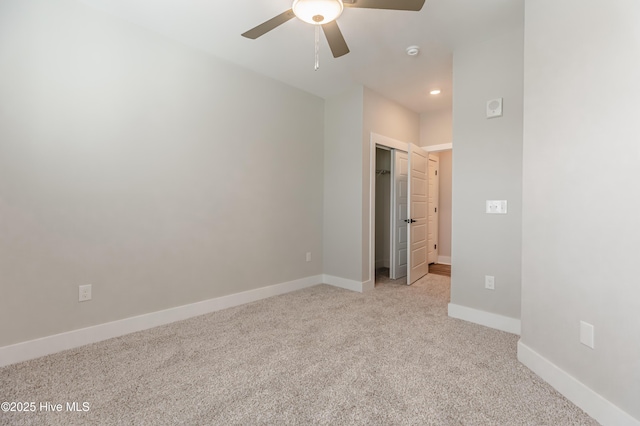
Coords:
377,40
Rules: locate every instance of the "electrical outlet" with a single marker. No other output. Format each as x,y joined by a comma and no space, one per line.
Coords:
84,293
489,282
308,256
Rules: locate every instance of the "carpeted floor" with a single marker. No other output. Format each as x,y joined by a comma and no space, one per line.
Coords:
322,355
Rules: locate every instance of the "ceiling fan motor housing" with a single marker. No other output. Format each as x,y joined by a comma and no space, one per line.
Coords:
317,12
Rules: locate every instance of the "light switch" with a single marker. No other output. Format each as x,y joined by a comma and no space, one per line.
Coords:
497,206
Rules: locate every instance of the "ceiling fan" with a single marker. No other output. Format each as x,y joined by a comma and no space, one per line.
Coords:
323,13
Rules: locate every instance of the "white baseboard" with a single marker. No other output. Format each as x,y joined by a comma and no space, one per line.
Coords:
72,339
488,319
604,411
368,285
343,283
444,260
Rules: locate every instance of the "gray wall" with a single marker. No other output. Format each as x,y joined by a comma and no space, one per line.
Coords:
581,198
349,120
436,127
343,185
157,174
444,201
487,165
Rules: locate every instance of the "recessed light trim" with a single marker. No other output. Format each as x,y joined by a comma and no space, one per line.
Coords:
413,50
435,92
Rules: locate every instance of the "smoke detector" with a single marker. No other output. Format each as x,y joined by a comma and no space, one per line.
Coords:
413,50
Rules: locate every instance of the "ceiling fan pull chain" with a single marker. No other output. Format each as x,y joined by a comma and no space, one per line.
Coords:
317,47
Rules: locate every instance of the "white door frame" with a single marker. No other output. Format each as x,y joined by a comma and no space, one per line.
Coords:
438,148
433,206
376,139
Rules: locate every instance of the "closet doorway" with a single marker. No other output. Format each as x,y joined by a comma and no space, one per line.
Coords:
391,195
399,189
405,216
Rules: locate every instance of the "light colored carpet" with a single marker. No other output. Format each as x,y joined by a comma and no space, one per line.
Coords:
322,355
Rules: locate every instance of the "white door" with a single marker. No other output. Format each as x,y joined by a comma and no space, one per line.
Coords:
399,197
432,228
417,230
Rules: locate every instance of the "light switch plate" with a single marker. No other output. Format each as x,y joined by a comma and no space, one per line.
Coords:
494,108
497,206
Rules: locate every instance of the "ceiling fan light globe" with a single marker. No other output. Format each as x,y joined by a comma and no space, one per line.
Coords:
317,12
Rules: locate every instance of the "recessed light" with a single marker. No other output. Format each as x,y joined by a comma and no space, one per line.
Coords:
435,92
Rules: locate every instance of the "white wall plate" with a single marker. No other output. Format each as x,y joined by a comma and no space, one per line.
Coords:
494,108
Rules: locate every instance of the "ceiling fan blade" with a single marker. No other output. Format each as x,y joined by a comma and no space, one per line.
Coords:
267,26
414,5
335,39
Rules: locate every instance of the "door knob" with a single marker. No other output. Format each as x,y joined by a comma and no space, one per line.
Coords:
409,220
